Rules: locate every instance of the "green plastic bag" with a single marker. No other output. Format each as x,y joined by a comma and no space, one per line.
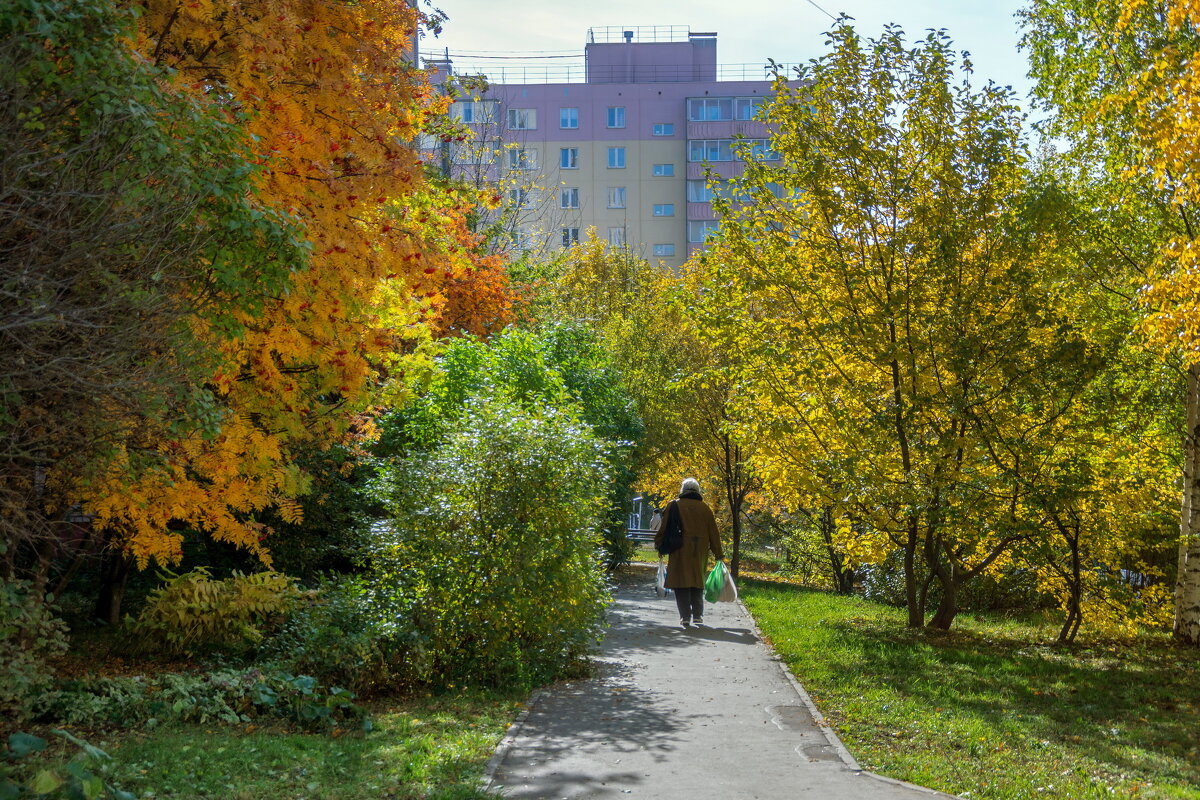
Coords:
714,582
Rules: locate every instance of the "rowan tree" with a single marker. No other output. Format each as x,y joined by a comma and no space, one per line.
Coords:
126,215
322,89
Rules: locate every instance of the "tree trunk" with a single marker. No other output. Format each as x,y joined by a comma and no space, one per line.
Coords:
916,616
947,608
843,577
1071,624
924,595
114,575
1074,587
1187,585
735,562
949,579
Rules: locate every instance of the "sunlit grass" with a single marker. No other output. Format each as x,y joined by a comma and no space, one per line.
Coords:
430,747
992,709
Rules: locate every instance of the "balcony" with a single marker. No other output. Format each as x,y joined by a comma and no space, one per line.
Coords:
751,129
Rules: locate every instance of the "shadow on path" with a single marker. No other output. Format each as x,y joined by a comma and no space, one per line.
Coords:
672,712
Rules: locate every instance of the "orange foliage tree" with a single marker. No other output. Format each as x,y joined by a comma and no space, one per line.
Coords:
322,88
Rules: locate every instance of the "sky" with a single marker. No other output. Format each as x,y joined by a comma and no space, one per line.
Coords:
789,31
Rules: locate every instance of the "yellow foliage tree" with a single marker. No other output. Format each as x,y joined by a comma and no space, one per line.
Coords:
324,91
1164,101
902,346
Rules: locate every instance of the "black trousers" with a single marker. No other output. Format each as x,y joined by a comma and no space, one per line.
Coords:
690,602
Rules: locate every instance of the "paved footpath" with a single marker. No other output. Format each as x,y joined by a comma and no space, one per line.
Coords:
672,713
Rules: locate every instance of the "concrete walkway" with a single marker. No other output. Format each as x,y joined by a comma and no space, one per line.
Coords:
707,712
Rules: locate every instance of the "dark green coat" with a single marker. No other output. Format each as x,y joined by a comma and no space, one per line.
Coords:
688,566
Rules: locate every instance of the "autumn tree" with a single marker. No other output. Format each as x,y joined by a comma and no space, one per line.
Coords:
1119,77
643,316
323,90
296,267
888,284
126,216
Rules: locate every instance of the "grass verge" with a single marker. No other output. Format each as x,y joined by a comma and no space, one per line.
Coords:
429,747
990,710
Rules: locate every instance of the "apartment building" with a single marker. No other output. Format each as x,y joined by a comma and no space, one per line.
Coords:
623,145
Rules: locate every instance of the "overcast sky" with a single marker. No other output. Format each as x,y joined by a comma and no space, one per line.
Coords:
789,31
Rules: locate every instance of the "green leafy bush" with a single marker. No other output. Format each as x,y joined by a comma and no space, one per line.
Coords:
562,366
85,776
29,634
192,613
228,696
491,564
339,640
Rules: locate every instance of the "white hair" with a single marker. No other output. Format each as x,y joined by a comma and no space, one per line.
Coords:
689,485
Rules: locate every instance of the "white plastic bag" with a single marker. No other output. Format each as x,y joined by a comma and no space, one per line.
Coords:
728,590
660,580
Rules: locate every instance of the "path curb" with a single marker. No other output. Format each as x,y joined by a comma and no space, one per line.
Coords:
506,743
830,735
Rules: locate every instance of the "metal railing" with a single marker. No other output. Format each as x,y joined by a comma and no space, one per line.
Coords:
578,73
615,34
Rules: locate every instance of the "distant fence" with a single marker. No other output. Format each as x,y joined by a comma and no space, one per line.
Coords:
641,535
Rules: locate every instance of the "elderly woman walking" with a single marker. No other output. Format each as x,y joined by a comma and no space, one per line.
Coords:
688,565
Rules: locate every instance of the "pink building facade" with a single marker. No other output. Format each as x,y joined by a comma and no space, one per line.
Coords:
624,151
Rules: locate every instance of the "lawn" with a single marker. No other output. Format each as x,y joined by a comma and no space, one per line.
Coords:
427,747
992,709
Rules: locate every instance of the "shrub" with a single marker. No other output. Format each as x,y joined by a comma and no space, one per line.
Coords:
192,612
491,564
84,777
228,696
338,640
29,634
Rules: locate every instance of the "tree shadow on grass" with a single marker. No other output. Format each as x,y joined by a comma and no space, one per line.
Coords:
1133,710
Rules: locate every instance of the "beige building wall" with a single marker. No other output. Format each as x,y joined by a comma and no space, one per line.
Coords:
643,231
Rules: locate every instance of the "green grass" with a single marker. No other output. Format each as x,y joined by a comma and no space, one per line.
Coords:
431,747
991,709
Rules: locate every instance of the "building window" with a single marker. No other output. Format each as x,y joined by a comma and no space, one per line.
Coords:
664,170
664,209
710,109
616,237
518,197
570,236
520,158
475,112
664,129
699,192
701,229
716,109
616,197
568,118
761,150
569,197
568,158
522,119
616,158
747,107
476,151
522,241
664,250
616,116
710,150
724,149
